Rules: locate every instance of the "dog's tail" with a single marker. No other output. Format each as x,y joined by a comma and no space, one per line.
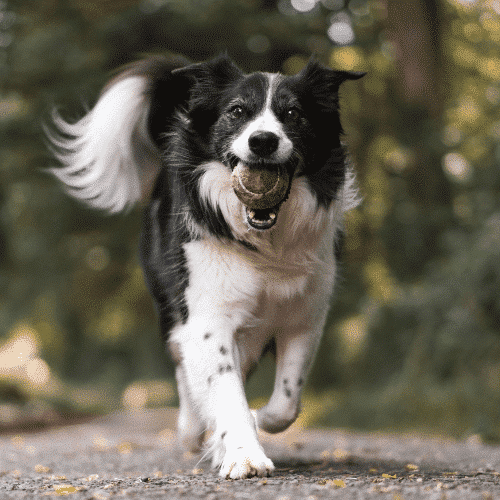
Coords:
111,156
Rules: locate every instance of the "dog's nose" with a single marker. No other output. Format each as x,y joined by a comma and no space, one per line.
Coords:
263,143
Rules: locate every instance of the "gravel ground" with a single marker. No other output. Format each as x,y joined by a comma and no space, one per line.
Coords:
134,455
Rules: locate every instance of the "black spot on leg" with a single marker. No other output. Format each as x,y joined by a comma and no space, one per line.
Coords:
223,350
225,368
288,392
207,336
223,435
209,379
300,382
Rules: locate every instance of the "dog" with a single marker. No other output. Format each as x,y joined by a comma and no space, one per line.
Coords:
247,181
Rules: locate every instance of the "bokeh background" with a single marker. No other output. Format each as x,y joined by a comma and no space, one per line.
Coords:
413,340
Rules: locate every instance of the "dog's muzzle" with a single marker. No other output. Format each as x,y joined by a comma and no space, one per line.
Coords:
261,188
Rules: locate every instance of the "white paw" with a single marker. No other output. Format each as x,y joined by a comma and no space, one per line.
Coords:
245,462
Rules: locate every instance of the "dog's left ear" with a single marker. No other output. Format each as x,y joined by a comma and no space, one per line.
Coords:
322,83
315,73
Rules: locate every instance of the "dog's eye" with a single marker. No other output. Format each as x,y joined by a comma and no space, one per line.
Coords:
293,114
236,112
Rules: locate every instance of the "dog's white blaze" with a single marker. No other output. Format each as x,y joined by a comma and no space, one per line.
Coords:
265,121
99,152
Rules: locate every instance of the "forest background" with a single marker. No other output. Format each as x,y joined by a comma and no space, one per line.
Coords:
413,339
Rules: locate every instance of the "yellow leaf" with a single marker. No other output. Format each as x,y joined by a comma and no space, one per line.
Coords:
411,467
388,476
64,489
125,448
42,469
338,483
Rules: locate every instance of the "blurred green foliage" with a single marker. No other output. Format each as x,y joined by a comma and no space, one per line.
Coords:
414,333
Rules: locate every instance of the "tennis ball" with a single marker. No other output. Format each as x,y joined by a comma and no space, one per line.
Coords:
260,188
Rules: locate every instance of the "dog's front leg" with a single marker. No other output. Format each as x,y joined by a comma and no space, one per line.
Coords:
220,297
212,378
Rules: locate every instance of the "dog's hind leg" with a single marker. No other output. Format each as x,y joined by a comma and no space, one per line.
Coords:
295,352
302,320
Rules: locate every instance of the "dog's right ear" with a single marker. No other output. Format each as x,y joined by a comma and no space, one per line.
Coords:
167,91
208,79
218,71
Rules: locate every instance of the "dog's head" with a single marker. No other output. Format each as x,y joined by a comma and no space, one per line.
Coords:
268,129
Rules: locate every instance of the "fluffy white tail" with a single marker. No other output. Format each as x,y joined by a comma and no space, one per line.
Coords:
108,158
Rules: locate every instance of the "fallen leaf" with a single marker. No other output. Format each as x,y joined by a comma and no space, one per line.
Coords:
338,483
42,469
125,448
64,489
412,467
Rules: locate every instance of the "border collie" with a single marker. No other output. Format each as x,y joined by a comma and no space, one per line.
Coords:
247,183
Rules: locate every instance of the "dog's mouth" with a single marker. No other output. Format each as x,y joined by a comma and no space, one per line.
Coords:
262,188
262,219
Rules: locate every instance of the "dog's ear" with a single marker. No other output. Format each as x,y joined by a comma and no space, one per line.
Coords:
165,91
322,83
315,72
207,82
218,71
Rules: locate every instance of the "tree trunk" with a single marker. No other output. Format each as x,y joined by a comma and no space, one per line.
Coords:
414,28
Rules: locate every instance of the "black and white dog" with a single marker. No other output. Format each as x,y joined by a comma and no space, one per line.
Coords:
247,184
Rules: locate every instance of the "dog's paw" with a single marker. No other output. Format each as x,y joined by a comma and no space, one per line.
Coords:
244,462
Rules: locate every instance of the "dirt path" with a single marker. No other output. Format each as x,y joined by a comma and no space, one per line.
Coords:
134,455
